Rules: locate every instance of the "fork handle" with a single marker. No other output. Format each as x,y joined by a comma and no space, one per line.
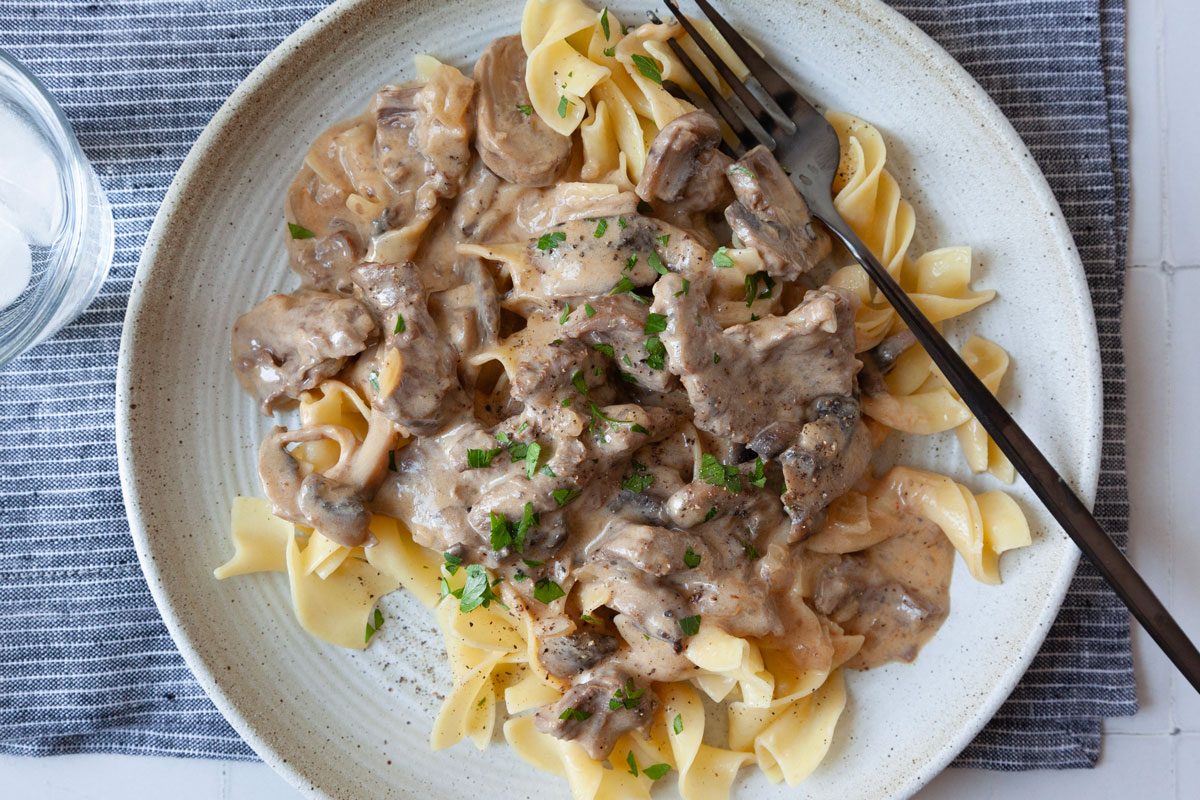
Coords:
1028,460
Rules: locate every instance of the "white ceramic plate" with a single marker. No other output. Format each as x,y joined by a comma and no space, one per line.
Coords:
350,725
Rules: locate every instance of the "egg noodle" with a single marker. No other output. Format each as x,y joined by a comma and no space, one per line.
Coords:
590,77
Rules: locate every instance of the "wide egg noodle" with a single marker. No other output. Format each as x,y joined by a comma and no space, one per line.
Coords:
260,539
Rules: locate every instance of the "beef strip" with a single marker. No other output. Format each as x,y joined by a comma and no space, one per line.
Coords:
289,343
416,379
772,217
617,324
568,655
744,378
821,459
514,142
596,727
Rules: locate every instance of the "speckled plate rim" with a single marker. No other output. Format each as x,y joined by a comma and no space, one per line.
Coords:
942,67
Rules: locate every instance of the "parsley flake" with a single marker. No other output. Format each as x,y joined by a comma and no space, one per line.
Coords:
655,323
578,381
477,591
687,287
601,228
611,52
548,241
378,623
299,231
712,512
721,259
563,105
477,459
655,771
502,532
572,713
565,495
656,357
691,558
401,325
714,473
532,453
453,562
716,358
621,223
690,625
589,619
632,762
656,263
639,481
648,67
587,309
752,291
677,725
604,24
547,591
758,478
628,696
525,109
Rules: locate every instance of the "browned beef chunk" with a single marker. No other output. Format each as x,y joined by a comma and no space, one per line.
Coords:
415,379
742,379
615,326
567,656
772,217
289,343
592,723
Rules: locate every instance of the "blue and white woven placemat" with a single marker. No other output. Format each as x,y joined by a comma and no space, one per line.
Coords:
86,665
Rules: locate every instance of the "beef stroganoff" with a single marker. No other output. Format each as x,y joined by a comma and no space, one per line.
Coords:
600,396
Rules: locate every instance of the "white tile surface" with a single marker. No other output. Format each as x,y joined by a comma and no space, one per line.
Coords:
1155,754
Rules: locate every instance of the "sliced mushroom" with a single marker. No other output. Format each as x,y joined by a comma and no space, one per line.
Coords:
335,510
772,217
684,167
513,141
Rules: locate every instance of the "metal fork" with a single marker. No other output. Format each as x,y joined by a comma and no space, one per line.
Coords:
803,141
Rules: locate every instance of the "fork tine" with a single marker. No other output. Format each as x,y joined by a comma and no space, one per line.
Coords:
767,122
789,100
745,136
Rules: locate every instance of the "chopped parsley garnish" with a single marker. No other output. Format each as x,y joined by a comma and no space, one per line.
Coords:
373,379
519,576
604,24
752,291
549,473
630,262
564,495
621,223
401,325
566,313
625,285
721,259
655,771
532,564
378,620
601,228
477,591
611,52
548,241
547,591
750,551
632,762
587,309
665,239
758,478
525,109
577,380
714,473
589,619
532,453
626,360
572,713
628,696
606,349
528,520
566,401
477,459
656,357
563,105
716,358
690,625
742,170
502,531
639,481
598,415
453,562
677,725
712,512
687,287
299,231
648,67
655,323
691,558
755,317
656,263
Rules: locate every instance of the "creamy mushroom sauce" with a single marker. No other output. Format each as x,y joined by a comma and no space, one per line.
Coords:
577,418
